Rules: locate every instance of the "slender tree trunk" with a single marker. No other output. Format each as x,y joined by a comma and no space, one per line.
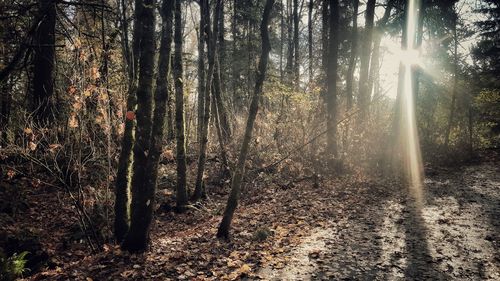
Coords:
296,62
352,66
289,40
221,108
202,39
331,99
44,60
137,238
310,40
218,126
198,192
282,37
181,191
234,69
324,43
222,49
454,89
232,203
353,56
378,33
364,95
5,110
122,184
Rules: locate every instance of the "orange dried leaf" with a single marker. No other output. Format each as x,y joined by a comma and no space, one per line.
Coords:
32,145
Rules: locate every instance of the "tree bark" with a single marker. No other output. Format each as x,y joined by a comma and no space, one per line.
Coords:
364,95
181,191
378,33
232,203
310,40
202,39
296,62
331,99
353,56
122,184
221,108
222,49
454,89
198,191
289,40
43,69
137,238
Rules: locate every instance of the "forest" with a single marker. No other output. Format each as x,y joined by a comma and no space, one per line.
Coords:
249,140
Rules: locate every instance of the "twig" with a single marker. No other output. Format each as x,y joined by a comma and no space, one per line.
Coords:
300,147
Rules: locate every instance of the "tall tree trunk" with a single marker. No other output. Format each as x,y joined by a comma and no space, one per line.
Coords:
44,60
232,203
217,120
136,239
364,95
296,62
202,39
122,184
324,43
310,40
234,69
352,66
454,89
289,40
221,108
331,99
198,191
378,33
353,56
282,41
222,49
6,103
181,191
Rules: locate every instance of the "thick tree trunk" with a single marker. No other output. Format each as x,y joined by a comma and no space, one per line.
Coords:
232,203
43,69
181,191
136,239
122,184
364,95
331,99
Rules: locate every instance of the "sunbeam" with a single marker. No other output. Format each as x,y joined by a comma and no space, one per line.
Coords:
411,148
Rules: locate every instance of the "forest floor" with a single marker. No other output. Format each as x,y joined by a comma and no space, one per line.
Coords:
353,227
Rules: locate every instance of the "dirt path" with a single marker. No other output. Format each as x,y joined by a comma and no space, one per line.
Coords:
454,236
